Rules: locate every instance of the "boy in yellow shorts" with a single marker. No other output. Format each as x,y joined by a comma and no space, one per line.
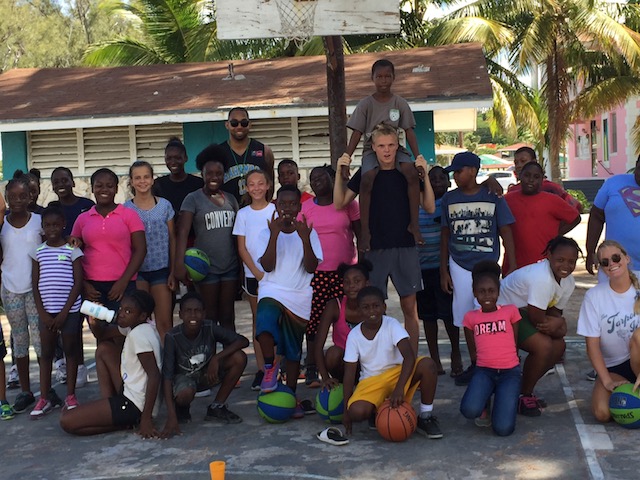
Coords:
389,368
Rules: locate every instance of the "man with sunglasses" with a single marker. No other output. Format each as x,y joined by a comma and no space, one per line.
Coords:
617,203
244,154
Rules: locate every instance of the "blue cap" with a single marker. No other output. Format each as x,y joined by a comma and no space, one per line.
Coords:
463,159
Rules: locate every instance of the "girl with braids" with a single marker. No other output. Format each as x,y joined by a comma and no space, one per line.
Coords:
610,320
341,315
541,291
336,229
135,388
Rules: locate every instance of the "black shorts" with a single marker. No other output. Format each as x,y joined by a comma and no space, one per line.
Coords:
250,286
124,412
433,302
624,370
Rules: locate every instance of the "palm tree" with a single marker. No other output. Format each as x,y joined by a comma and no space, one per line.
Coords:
177,31
588,50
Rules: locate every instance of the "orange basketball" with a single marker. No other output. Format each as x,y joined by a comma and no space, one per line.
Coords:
396,424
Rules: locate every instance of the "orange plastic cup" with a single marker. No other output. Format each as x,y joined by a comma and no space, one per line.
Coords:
217,470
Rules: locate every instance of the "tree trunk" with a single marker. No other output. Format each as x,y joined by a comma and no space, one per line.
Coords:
336,97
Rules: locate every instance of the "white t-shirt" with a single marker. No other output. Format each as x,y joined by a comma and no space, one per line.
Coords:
535,285
249,224
609,315
289,283
141,339
378,355
16,245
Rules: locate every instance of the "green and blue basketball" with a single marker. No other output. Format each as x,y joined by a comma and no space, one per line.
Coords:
624,405
277,406
197,264
330,404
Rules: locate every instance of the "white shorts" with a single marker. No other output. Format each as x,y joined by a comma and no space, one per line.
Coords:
463,299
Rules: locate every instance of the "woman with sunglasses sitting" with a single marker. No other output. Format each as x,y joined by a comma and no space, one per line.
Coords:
610,320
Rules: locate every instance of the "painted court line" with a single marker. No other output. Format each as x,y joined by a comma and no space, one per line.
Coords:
592,437
199,473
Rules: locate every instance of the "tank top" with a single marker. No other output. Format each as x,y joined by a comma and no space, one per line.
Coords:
238,166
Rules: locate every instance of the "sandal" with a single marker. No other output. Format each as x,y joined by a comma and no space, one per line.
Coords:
456,371
332,436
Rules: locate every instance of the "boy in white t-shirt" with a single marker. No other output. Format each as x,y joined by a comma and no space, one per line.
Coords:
389,368
292,253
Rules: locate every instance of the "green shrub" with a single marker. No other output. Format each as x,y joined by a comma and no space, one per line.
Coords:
580,196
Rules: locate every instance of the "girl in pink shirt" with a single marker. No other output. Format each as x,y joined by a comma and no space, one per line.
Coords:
341,314
497,371
113,241
336,229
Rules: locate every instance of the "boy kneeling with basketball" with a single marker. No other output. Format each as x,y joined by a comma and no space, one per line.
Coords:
389,368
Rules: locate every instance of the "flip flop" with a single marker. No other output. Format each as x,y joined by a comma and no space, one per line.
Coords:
456,372
332,436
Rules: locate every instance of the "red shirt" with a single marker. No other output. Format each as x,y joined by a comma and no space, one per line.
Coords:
538,218
551,187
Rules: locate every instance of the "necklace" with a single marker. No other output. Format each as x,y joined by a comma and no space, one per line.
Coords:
236,157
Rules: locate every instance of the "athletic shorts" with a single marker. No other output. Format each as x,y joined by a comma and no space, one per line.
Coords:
183,382
213,278
401,264
624,370
124,412
433,302
525,328
250,286
155,277
73,323
378,388
286,328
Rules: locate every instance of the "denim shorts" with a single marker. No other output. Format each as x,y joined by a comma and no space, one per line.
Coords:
213,278
155,277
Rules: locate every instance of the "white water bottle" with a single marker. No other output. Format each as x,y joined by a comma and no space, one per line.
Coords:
97,311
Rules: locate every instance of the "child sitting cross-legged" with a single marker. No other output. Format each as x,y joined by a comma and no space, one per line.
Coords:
191,363
389,368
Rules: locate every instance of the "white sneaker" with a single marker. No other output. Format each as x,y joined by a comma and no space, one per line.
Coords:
61,370
203,393
13,381
83,376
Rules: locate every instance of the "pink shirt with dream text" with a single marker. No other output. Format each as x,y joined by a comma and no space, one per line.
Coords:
493,332
106,242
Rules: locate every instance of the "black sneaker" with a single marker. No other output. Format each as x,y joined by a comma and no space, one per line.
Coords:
183,413
312,380
23,401
429,427
221,414
55,400
372,422
257,380
592,375
465,377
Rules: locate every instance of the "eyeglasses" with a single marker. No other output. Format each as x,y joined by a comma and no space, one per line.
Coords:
244,122
615,258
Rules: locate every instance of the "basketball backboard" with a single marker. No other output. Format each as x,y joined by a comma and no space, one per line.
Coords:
241,19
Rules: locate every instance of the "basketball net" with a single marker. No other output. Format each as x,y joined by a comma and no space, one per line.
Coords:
297,19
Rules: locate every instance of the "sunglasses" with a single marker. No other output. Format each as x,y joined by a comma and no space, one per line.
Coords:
244,122
615,258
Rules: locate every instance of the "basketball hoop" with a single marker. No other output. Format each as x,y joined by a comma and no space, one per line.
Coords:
297,19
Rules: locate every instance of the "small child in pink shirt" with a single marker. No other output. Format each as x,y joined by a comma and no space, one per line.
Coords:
497,373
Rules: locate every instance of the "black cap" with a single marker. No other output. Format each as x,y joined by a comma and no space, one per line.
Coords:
463,159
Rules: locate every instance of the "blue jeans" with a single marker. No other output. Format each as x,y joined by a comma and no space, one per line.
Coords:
505,384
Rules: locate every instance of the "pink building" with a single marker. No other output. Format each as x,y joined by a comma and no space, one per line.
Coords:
601,146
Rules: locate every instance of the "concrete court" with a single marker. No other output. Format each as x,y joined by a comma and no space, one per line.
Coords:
564,443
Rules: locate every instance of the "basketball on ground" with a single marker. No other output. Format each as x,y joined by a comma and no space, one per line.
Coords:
330,404
624,405
396,424
196,263
277,406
